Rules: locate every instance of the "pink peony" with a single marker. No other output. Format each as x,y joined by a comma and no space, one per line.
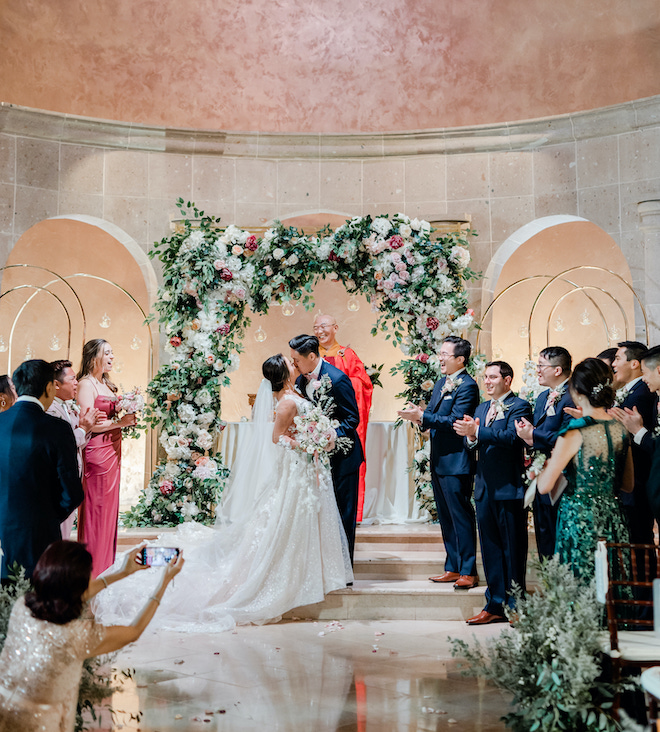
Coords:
237,249
218,264
166,487
223,329
432,323
226,275
332,257
400,267
395,242
423,357
175,341
251,243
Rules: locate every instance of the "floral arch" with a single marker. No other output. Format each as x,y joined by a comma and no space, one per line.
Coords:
214,276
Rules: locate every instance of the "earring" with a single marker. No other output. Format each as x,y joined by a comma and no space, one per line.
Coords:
3,403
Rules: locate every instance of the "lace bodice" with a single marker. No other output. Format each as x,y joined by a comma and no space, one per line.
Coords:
302,406
590,509
597,467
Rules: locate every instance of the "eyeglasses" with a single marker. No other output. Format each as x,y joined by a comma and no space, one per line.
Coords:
542,366
322,327
442,354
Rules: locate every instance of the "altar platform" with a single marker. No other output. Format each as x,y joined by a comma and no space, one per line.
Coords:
392,565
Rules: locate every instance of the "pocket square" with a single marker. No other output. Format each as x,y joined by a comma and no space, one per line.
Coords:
447,397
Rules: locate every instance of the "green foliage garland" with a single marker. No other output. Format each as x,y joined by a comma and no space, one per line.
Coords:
212,278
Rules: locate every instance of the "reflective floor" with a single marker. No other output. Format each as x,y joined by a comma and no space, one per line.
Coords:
370,676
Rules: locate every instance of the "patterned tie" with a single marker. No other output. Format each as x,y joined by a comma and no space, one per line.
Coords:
492,412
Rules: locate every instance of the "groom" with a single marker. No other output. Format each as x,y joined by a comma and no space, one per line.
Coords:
345,467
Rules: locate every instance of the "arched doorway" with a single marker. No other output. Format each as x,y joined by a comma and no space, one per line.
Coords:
560,280
72,278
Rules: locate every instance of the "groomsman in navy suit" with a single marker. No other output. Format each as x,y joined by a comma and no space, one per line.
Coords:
554,370
39,481
636,396
454,396
345,467
499,489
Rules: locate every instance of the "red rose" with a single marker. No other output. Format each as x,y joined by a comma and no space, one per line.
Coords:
395,242
223,329
251,243
332,257
432,323
226,275
175,341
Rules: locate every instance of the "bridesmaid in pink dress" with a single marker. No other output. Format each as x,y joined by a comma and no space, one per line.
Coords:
99,511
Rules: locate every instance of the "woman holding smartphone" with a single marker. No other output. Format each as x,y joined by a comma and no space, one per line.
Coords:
51,632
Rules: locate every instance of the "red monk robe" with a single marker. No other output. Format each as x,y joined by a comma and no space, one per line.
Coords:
345,359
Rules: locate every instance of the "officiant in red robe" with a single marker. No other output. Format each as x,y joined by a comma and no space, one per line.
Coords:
345,359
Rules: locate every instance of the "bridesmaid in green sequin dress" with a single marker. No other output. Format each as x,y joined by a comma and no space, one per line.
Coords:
593,451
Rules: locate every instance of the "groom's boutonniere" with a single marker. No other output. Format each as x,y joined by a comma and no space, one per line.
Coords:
73,407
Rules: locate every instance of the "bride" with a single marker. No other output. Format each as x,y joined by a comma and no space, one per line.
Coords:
278,542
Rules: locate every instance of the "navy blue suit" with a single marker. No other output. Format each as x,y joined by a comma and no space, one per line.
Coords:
636,504
498,494
451,472
345,468
546,429
39,482
652,445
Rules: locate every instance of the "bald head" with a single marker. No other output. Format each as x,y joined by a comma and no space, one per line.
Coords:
325,329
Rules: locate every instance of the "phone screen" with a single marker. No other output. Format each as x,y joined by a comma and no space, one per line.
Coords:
158,556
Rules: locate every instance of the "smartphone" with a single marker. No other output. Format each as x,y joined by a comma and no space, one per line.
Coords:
157,556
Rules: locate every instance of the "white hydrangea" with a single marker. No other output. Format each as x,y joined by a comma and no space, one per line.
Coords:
203,398
186,412
205,418
444,284
189,510
462,323
172,470
192,242
381,226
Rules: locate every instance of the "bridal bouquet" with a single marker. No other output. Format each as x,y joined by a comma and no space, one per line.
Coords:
317,430
131,403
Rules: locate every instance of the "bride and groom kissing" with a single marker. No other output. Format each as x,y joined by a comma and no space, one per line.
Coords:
285,528
345,467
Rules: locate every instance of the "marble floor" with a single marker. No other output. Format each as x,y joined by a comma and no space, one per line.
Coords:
305,676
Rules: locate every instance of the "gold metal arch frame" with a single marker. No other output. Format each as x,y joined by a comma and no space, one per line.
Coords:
151,446
576,287
581,268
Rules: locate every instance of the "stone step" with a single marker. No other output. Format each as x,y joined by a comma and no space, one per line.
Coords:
401,565
395,600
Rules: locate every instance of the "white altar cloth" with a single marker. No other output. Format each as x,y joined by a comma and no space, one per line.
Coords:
389,488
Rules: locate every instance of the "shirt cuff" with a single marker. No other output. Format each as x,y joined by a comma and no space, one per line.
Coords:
639,436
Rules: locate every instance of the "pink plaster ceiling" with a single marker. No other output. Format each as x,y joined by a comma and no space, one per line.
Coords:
327,65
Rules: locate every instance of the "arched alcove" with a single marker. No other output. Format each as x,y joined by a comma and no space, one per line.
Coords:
559,280
72,278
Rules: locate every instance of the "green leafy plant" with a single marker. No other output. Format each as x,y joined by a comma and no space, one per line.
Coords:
550,659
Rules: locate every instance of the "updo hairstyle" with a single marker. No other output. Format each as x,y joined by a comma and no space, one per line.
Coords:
593,378
60,580
276,370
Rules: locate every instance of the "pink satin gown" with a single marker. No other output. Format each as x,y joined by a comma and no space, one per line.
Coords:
99,511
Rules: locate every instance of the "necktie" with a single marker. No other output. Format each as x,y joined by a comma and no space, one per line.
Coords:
492,411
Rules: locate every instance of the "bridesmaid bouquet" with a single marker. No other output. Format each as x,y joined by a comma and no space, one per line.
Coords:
131,403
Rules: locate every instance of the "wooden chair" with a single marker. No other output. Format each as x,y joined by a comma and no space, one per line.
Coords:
630,640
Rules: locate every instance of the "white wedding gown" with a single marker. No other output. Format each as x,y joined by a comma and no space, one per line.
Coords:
286,549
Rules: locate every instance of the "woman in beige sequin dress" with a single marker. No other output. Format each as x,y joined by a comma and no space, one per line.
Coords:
51,632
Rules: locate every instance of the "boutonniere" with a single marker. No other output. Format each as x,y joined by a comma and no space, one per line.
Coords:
451,385
73,406
620,396
500,409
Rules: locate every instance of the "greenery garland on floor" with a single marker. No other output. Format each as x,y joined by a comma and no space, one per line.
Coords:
214,276
550,658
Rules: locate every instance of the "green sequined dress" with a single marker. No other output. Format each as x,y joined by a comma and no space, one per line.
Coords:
589,509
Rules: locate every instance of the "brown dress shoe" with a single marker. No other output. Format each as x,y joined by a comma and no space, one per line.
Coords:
466,582
485,618
446,577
